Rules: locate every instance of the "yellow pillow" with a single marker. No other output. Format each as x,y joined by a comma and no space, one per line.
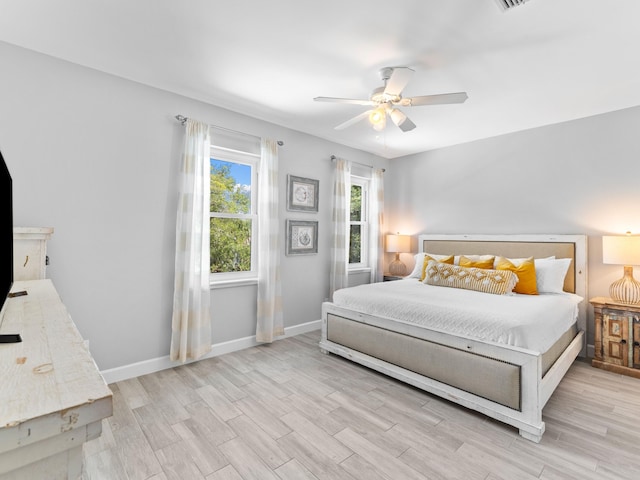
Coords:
526,273
498,282
448,260
484,261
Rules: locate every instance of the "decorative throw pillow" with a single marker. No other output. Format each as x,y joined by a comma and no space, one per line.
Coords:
526,272
418,266
550,274
448,259
418,259
477,261
518,261
484,280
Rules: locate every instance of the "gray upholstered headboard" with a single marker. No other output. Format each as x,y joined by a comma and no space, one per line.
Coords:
508,249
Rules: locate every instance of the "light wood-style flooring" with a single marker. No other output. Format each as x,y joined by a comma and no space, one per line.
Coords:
287,411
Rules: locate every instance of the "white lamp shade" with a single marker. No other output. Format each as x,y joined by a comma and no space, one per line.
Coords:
621,250
398,243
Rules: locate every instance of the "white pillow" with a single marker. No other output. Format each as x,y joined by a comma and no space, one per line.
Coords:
417,268
479,258
550,274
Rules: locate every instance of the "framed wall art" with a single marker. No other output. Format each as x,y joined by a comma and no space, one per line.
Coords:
302,194
302,237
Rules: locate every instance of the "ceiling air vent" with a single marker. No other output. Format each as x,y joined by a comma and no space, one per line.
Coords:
509,4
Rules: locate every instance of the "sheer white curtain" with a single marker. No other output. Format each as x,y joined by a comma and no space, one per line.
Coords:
340,218
376,222
191,322
270,320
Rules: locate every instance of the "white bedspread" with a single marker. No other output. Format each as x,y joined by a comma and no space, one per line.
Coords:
533,322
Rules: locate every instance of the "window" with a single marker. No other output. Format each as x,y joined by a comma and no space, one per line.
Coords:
359,223
233,218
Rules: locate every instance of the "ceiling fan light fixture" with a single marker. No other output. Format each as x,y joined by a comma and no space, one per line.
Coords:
378,118
397,116
383,100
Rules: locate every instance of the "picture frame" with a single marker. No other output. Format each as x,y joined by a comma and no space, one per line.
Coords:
302,194
302,237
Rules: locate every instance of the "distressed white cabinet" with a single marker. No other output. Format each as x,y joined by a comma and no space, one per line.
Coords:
30,252
53,398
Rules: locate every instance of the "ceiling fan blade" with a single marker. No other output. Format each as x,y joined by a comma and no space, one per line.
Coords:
401,120
407,125
398,80
441,99
352,101
354,120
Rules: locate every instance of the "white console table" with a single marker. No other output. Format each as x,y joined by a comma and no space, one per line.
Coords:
53,398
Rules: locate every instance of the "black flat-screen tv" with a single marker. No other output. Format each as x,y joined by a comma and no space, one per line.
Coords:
6,234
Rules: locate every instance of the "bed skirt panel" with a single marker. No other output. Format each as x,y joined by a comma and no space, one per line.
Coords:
486,377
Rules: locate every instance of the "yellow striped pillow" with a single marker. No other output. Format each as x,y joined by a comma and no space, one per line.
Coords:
484,280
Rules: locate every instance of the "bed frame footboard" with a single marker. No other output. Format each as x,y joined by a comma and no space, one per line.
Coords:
500,381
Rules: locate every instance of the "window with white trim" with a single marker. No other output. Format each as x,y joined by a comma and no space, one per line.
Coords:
233,216
359,224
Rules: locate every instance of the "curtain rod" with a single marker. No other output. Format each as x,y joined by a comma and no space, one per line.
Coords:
334,158
182,119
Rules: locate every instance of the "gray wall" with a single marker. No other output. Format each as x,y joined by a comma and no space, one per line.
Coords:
574,177
97,157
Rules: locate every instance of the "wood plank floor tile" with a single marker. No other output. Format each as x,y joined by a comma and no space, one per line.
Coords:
294,470
259,441
442,467
424,438
313,458
176,466
264,416
136,454
383,461
133,393
315,410
315,435
226,473
104,465
608,471
288,411
219,403
246,462
360,469
354,410
493,462
191,455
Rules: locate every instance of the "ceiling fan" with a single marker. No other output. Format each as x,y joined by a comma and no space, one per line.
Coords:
385,100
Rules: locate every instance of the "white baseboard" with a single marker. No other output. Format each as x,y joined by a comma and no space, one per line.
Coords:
145,367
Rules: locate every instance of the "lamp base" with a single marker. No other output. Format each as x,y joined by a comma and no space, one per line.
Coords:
397,267
627,289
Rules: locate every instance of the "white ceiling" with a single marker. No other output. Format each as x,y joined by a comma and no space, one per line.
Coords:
543,62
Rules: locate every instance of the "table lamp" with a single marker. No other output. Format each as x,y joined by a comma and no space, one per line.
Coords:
398,244
623,250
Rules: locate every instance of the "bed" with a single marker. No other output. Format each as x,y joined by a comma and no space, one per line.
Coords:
507,375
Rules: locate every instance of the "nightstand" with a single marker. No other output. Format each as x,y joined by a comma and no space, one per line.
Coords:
390,278
617,336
